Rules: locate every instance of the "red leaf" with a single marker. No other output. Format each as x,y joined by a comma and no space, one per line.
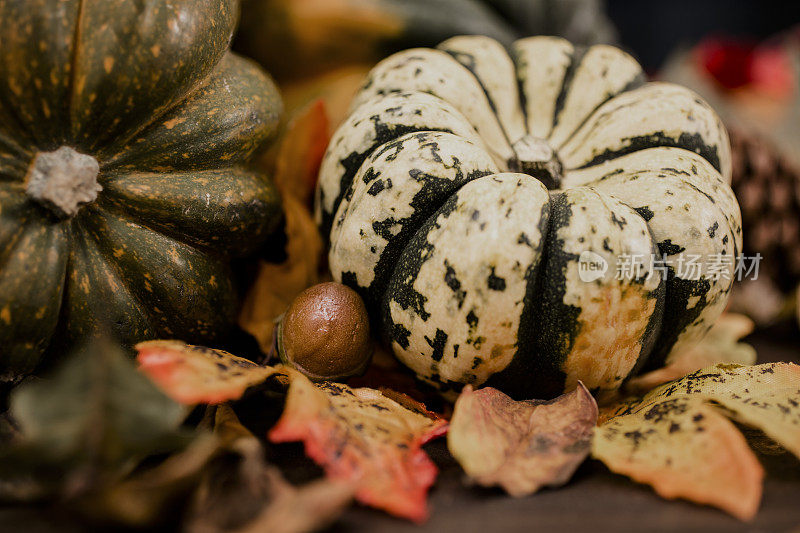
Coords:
365,438
195,374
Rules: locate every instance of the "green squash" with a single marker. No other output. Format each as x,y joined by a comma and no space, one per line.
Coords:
125,130
504,213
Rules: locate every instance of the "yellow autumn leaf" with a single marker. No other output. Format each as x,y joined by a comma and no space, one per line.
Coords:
677,437
764,396
720,345
683,448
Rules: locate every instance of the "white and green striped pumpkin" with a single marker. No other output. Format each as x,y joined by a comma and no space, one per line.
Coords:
462,191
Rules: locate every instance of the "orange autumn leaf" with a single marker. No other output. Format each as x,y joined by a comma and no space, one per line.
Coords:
521,446
276,285
301,150
194,374
363,437
295,169
683,448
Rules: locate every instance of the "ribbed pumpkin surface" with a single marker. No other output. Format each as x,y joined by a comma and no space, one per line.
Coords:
147,94
470,186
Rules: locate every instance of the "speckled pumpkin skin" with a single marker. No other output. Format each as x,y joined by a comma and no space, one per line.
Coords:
150,90
433,197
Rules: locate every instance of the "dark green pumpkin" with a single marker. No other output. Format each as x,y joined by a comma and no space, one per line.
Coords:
125,130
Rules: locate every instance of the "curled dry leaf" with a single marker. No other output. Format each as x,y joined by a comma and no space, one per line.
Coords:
683,448
301,151
296,166
720,345
677,439
366,439
194,374
765,396
240,492
521,445
293,510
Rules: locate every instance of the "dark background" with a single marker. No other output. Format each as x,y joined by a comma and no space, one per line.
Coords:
652,29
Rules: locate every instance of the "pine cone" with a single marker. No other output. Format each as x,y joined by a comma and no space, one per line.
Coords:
767,186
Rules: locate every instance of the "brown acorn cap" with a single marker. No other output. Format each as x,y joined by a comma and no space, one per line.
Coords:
325,333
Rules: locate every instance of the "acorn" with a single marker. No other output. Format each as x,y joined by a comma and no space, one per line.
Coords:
325,333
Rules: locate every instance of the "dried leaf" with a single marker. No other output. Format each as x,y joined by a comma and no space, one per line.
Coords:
366,439
720,345
242,493
276,285
146,498
309,508
301,151
764,396
677,439
296,165
683,448
521,446
194,374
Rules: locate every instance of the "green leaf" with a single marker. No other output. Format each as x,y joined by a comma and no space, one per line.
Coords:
93,420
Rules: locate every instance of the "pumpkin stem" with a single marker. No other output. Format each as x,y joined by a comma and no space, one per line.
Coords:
63,180
535,157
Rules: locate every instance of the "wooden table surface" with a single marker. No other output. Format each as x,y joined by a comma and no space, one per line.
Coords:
595,500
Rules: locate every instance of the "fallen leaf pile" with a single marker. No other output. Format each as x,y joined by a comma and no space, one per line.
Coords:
358,435
140,447
143,447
